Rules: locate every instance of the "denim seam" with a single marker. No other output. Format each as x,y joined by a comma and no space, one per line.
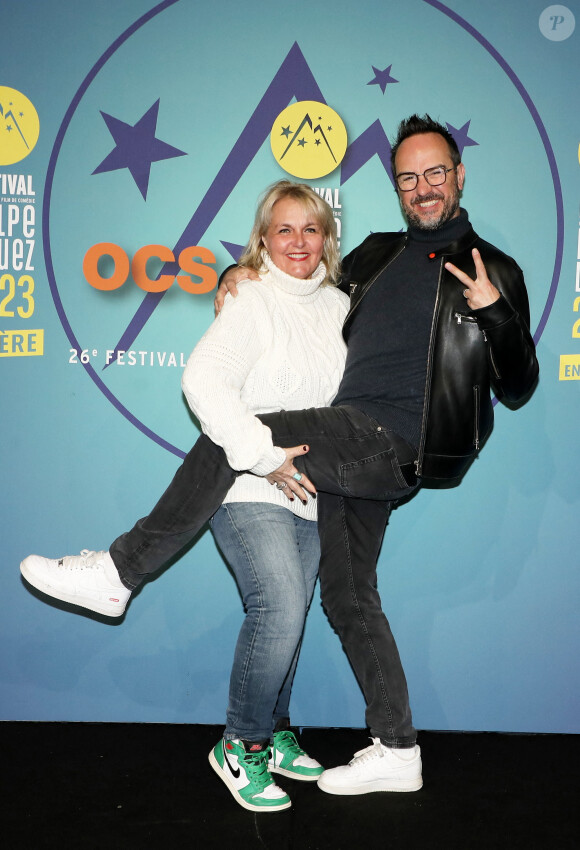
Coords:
145,546
247,658
363,623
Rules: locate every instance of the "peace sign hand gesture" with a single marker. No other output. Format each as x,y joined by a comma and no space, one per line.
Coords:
479,292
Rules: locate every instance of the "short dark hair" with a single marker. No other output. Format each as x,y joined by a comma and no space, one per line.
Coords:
416,125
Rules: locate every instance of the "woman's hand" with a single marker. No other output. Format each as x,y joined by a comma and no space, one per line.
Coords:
230,282
284,477
479,292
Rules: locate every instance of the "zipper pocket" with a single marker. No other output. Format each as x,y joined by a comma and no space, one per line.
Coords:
463,317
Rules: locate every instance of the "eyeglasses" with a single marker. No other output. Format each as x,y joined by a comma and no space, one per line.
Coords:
436,176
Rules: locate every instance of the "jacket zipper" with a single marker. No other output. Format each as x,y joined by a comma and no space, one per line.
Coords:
476,422
419,461
462,317
353,286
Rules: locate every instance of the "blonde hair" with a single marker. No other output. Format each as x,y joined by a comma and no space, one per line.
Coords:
309,201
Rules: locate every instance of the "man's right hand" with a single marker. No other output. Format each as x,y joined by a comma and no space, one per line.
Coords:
230,282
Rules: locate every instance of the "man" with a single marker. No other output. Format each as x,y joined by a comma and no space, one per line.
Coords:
437,316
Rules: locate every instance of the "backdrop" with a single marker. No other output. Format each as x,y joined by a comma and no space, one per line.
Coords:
128,125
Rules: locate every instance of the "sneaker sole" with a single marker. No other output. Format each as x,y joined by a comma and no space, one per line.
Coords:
385,785
54,593
301,777
252,807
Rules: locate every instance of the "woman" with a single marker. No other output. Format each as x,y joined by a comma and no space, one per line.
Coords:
276,346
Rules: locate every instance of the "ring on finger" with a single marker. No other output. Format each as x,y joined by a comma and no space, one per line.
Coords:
297,476
466,293
281,485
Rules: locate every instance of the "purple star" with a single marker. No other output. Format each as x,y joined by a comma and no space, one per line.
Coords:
382,78
136,147
460,135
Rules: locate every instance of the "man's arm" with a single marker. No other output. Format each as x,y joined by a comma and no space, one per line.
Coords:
503,317
345,266
229,283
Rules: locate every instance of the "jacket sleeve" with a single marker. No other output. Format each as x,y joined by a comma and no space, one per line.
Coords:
345,269
505,323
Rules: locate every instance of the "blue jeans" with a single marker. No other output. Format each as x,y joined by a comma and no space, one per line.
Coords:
274,556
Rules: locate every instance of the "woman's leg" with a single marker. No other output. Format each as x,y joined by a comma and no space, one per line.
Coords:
309,548
261,544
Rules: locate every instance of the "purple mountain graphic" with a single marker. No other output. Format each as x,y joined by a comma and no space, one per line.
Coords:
293,79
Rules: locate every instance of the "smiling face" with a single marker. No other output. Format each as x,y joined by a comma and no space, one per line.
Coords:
428,207
294,239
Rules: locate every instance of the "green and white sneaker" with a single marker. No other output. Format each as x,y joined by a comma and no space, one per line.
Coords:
244,770
288,758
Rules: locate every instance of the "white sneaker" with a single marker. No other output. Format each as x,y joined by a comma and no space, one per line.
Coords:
90,580
376,768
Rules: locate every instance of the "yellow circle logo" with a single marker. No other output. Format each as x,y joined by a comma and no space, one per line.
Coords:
308,139
19,126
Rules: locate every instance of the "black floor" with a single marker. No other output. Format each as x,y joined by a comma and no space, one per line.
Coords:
83,785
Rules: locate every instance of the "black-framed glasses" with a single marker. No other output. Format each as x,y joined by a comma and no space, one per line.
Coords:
436,176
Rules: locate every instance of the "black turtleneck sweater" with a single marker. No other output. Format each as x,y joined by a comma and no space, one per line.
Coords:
388,343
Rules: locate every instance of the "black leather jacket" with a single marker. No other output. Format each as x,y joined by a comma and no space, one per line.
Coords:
469,351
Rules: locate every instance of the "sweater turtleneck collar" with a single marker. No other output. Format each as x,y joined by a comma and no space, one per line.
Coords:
294,286
452,230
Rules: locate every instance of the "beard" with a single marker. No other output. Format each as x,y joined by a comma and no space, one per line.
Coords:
449,211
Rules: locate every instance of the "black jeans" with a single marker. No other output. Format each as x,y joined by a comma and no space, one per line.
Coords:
351,532
363,468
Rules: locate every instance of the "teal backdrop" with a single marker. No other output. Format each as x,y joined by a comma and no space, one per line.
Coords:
154,130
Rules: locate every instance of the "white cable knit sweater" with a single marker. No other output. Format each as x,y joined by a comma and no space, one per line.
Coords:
277,346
